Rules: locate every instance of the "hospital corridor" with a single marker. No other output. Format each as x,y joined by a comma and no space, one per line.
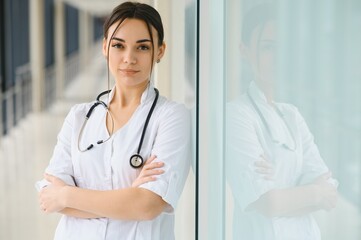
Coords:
272,149
30,146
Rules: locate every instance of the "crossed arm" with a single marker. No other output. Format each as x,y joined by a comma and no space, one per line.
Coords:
127,204
244,147
297,200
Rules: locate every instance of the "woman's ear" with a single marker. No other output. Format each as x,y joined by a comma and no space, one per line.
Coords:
161,51
105,52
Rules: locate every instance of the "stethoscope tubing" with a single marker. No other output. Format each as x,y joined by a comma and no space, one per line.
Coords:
147,120
137,157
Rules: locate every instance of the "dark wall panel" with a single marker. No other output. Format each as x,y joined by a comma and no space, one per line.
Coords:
98,28
71,30
16,39
2,82
49,32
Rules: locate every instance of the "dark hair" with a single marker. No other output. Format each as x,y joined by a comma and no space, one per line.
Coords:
139,11
257,16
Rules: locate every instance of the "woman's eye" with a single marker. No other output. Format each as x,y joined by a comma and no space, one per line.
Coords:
117,45
268,47
143,47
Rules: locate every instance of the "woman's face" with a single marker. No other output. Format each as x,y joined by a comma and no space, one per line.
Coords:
130,52
261,53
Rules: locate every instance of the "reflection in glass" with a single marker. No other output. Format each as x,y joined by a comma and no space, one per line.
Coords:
276,173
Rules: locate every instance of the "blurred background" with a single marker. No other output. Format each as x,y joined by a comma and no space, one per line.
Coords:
50,59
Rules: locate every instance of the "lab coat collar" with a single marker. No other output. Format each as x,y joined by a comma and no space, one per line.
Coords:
148,93
267,111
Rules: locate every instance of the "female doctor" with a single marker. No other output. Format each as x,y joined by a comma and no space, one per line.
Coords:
274,168
98,176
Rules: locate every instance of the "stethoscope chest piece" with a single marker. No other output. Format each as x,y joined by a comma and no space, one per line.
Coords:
136,161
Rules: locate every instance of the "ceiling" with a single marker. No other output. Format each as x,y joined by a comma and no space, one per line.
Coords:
95,7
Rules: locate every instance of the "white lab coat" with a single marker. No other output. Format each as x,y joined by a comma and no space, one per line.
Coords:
247,140
106,166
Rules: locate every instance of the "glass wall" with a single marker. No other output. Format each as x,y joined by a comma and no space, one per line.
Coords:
211,134
175,77
280,120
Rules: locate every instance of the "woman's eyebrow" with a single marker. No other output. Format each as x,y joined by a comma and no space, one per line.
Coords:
143,40
139,41
118,39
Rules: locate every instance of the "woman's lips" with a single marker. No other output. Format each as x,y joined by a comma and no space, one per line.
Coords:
129,71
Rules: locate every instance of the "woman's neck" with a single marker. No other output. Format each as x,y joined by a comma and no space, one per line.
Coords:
125,96
267,90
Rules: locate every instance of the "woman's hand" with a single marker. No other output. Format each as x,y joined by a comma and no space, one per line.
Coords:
264,168
149,172
52,197
326,193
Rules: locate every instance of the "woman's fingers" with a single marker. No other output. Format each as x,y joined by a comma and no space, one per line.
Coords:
51,198
152,169
143,180
152,172
49,178
263,163
155,165
323,178
149,172
265,168
54,180
152,165
150,159
326,176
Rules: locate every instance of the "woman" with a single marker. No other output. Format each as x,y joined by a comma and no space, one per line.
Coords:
274,168
97,177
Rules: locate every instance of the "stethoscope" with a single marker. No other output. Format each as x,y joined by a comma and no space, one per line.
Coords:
268,128
136,160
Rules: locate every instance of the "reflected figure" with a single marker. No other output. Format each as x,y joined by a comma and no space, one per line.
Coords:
274,167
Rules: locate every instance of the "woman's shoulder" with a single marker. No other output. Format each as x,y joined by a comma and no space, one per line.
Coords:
240,104
291,111
172,108
82,107
79,109
287,108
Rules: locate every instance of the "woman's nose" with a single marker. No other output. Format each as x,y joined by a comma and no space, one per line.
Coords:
129,57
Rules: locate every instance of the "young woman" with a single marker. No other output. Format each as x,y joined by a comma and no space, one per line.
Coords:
98,176
274,168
